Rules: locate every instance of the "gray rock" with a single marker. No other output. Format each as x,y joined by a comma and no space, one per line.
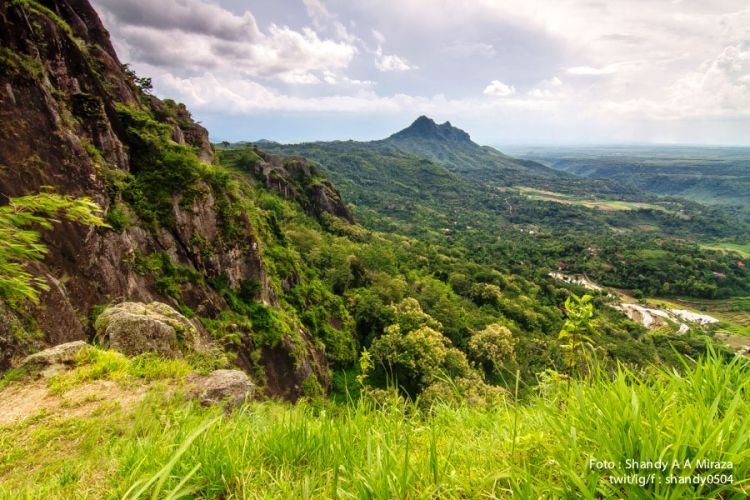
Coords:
54,359
230,387
134,328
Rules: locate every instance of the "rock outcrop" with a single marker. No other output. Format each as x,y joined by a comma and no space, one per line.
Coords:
62,95
134,328
228,387
54,359
296,179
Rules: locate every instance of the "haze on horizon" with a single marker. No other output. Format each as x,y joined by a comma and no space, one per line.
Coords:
508,72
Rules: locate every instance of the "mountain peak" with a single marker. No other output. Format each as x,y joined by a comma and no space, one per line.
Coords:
425,128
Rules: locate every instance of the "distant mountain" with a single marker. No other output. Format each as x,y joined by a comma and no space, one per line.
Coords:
454,148
430,177
425,128
446,149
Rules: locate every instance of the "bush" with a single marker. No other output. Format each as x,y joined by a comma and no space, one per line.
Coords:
161,168
117,217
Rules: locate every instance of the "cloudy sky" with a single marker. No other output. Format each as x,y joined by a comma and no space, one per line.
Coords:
507,71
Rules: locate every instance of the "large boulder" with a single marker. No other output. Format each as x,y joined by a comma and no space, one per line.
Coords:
54,359
230,387
134,328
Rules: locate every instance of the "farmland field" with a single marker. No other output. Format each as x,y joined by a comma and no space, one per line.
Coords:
743,250
707,175
604,205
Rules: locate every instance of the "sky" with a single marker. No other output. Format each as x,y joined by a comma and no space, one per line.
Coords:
506,71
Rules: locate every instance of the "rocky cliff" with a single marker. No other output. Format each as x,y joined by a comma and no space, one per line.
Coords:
73,118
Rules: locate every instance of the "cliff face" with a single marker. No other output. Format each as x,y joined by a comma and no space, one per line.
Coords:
69,118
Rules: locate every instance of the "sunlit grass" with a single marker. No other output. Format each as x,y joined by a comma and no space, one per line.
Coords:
742,250
400,449
96,364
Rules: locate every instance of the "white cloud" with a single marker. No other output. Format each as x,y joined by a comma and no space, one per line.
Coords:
388,62
379,37
469,49
317,11
650,62
240,96
718,88
499,89
541,93
548,89
194,35
592,71
300,78
385,62
333,79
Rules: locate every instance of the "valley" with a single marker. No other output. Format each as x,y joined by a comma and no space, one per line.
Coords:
726,320
603,205
710,175
415,315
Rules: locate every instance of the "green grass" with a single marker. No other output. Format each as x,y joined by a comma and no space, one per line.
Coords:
11,376
538,448
603,205
742,250
98,364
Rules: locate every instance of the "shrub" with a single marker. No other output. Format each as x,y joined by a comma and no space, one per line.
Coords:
117,217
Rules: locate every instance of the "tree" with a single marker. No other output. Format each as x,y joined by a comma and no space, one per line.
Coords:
143,83
413,352
409,316
492,347
20,239
416,359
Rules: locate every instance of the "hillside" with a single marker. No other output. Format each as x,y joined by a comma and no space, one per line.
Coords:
257,249
431,181
416,317
181,230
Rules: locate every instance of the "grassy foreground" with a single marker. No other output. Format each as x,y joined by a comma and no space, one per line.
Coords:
318,449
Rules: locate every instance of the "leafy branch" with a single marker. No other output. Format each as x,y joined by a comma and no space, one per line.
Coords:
20,242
